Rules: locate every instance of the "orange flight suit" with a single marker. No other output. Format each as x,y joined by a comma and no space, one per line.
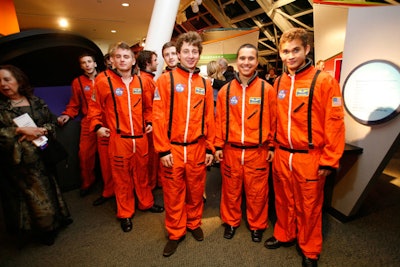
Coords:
127,111
245,137
82,91
299,156
190,134
154,160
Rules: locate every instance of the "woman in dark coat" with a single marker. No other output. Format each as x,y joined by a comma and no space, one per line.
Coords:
31,198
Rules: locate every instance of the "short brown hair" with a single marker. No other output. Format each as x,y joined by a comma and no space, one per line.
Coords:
121,45
192,38
293,34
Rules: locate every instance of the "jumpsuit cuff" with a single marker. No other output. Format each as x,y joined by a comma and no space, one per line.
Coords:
209,151
271,148
149,123
217,148
97,127
162,154
327,168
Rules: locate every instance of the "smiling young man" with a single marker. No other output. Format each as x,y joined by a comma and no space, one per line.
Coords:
126,106
309,144
245,122
184,131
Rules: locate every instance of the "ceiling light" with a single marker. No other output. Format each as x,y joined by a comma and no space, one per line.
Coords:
63,23
125,4
113,31
195,7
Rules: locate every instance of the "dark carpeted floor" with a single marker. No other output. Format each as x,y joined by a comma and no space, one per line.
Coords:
95,237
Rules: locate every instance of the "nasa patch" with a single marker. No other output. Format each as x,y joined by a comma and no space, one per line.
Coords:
281,94
234,100
179,88
119,91
87,88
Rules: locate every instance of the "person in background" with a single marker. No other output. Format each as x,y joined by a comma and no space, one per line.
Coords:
184,131
107,61
169,55
31,196
214,73
245,123
271,76
121,99
309,143
320,65
147,64
228,73
82,91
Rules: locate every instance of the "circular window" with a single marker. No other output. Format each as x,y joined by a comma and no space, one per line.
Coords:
371,92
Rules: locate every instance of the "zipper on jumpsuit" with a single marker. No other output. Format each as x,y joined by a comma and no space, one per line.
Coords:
127,83
292,78
243,120
187,117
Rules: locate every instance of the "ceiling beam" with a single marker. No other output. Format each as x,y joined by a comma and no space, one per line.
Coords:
217,14
280,21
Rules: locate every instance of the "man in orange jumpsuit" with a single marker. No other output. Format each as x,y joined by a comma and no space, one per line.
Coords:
309,143
245,122
127,111
82,91
184,131
147,63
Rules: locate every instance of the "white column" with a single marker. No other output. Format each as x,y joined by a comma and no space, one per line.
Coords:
161,28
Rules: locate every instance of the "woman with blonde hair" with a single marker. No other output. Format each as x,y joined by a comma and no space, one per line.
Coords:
214,73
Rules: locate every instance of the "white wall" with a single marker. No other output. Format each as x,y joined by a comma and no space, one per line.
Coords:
363,34
371,33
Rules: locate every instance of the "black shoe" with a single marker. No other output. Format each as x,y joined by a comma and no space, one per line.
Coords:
307,262
64,222
48,238
273,243
170,248
101,200
229,231
126,224
256,235
155,209
197,234
84,192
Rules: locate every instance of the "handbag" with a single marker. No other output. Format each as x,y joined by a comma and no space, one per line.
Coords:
54,152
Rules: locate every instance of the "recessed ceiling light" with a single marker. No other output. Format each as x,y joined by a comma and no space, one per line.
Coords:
113,31
63,23
125,4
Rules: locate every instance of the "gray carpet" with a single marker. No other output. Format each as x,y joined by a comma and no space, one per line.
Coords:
95,237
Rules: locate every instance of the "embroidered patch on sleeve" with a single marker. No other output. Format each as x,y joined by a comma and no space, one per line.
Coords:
336,101
156,95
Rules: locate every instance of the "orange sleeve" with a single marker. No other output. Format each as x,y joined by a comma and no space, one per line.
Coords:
160,114
95,114
74,105
210,118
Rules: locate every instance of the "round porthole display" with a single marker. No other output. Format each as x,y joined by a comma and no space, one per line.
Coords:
371,92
